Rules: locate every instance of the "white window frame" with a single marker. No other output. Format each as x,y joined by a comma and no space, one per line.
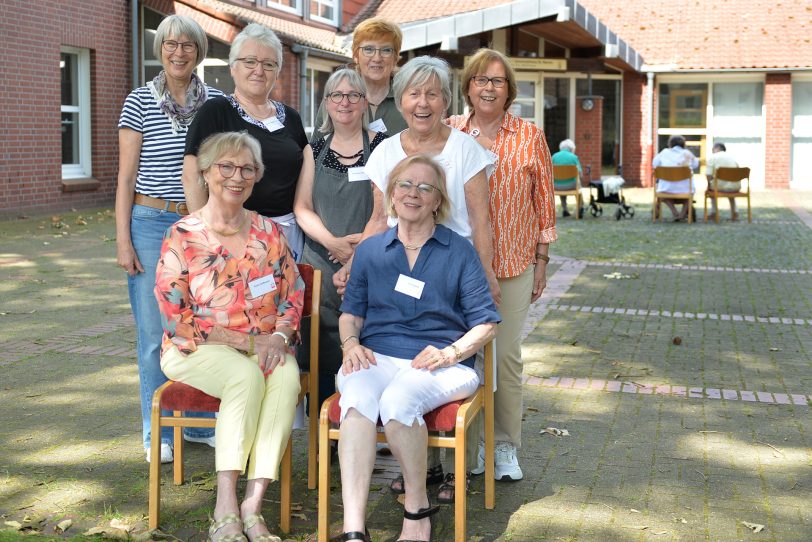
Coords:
315,65
336,12
273,4
84,168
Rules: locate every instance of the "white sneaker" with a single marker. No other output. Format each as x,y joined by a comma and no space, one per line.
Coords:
166,453
201,440
507,464
480,460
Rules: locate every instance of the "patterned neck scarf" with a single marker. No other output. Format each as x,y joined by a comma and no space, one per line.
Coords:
179,116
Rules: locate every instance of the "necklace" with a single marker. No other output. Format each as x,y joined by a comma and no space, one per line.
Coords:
408,246
225,233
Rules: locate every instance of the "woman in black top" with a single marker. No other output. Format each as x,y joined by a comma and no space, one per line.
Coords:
255,60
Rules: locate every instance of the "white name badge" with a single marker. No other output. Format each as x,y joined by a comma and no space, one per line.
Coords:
273,124
377,126
410,286
262,286
357,174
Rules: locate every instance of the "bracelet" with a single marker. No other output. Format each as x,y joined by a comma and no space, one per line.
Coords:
347,339
284,337
250,345
543,257
457,351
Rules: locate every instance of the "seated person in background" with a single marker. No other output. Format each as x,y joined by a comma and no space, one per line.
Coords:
416,310
566,157
231,297
675,156
720,158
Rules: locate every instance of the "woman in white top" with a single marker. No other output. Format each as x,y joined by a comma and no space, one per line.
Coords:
675,156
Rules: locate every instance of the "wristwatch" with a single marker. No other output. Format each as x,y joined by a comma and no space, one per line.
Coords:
284,337
540,256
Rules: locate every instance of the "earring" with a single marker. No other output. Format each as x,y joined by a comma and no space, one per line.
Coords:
434,214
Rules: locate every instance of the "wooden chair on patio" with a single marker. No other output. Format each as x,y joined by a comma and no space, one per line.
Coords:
179,398
569,172
729,174
453,419
672,174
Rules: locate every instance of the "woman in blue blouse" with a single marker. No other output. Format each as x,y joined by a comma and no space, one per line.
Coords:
416,310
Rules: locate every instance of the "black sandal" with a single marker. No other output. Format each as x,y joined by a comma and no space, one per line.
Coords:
434,476
449,486
421,514
353,535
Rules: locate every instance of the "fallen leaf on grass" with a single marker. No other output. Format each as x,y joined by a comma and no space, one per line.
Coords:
13,524
108,532
680,520
755,527
677,340
638,527
116,523
555,431
298,515
774,349
63,526
634,510
658,533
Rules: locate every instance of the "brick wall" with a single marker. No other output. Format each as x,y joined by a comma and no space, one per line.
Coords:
588,133
778,138
637,154
31,34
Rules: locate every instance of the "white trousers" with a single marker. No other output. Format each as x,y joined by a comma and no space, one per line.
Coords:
393,390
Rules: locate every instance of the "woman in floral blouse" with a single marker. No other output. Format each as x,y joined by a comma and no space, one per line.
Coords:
231,299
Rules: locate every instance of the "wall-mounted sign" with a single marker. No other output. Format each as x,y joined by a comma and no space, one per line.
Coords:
535,64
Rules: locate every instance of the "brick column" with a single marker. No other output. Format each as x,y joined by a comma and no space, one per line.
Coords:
588,134
778,137
637,154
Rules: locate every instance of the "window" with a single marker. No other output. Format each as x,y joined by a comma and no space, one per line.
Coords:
74,66
293,6
316,80
325,11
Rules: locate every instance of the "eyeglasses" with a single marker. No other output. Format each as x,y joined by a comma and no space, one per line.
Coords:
369,51
251,63
424,189
170,46
482,81
249,173
352,97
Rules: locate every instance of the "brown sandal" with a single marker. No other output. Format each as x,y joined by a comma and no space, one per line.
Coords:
434,476
449,488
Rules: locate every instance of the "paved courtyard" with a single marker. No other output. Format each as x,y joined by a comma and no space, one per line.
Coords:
676,356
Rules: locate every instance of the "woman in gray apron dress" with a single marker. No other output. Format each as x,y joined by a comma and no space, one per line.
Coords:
333,207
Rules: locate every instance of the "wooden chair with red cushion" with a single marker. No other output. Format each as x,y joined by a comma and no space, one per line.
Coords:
453,419
179,398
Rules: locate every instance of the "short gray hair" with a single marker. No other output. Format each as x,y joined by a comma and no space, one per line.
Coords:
220,144
356,82
180,25
567,145
419,71
260,34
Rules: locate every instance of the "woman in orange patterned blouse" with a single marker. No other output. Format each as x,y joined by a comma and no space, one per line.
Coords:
231,299
522,209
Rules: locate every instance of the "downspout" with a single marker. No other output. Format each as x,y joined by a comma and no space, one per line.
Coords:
650,124
134,32
301,52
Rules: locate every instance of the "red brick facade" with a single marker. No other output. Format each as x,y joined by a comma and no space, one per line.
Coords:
588,133
637,153
778,136
31,34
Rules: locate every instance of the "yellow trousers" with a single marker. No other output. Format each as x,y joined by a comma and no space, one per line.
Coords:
256,412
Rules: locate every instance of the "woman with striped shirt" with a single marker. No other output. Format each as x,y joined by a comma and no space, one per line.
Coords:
149,198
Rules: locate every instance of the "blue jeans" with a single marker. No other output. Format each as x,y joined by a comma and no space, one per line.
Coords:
147,229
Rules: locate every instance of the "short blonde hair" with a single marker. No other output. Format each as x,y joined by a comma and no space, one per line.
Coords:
377,29
479,64
444,210
218,145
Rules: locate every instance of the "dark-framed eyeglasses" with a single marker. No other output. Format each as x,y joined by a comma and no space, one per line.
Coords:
424,189
369,51
170,46
251,63
482,81
352,97
227,170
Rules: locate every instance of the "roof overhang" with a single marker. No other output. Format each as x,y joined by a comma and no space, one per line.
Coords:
570,18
